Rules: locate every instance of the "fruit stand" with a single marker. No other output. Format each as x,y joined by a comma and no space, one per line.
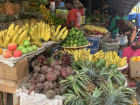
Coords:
80,73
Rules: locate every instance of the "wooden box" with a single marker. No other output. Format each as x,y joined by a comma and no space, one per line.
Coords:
10,86
16,73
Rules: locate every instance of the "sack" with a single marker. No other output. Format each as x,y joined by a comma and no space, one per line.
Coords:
109,46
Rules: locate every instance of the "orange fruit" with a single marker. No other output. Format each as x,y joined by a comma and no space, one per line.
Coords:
0,51
137,59
133,58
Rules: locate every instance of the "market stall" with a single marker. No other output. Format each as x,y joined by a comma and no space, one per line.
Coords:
86,69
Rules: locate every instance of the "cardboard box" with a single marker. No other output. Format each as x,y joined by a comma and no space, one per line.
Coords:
16,73
134,69
10,86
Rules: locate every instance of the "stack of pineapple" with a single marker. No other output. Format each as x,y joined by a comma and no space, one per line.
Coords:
10,12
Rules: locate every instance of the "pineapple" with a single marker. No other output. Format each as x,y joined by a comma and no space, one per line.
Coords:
25,21
1,8
25,5
3,20
135,102
8,8
20,23
16,8
33,21
90,88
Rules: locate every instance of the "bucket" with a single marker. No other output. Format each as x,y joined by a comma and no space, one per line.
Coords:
61,4
52,6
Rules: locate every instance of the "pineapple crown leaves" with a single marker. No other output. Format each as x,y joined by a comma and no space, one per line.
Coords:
77,83
113,96
95,98
73,99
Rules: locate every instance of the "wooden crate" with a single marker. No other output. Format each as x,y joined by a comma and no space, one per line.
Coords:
10,86
16,73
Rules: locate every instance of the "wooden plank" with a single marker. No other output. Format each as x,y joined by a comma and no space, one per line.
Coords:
8,82
7,89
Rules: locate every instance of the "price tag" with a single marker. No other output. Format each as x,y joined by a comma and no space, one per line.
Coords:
122,41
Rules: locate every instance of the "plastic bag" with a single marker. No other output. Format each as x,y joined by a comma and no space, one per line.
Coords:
109,46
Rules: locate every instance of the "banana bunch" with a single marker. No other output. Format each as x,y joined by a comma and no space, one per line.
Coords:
111,58
40,31
14,35
81,54
103,30
59,35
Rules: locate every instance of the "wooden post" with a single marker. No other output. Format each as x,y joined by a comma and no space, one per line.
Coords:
3,98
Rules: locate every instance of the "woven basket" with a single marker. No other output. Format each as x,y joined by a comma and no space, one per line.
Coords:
77,3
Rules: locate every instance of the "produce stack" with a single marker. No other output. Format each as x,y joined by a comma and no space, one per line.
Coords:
48,73
75,38
37,34
17,12
95,30
110,57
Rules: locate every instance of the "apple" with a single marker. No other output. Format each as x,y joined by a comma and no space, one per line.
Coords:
30,49
34,47
20,47
12,46
26,43
24,51
17,53
7,54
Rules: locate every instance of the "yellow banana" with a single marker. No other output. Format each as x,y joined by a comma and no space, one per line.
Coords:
59,36
7,41
64,35
11,27
15,38
20,31
48,34
37,44
1,42
16,28
58,29
43,31
38,30
35,39
27,26
55,35
12,35
63,30
22,36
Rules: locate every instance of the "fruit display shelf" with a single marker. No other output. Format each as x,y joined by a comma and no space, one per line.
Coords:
12,60
78,47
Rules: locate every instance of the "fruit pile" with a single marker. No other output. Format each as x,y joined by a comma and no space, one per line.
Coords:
58,21
81,54
20,50
75,38
93,33
35,34
11,9
46,14
48,73
93,28
135,59
111,58
96,83
59,34
109,40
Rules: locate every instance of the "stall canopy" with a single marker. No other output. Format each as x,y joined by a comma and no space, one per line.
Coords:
123,6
